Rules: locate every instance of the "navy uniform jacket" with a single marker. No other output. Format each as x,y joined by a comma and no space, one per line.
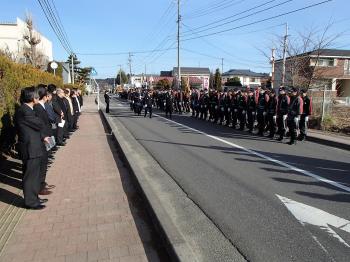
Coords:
29,128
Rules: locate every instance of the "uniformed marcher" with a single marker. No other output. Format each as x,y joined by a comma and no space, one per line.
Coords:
272,113
234,107
148,103
263,99
294,112
169,102
282,111
242,107
251,110
304,118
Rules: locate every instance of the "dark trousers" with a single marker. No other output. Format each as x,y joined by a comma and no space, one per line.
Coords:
107,107
271,124
242,119
281,126
250,116
234,117
169,111
31,181
261,122
292,126
228,116
43,169
204,112
75,121
59,133
303,126
148,109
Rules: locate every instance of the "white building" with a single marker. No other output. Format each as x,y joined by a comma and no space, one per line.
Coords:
247,77
12,40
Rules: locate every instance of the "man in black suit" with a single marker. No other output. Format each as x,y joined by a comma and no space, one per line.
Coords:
30,147
76,108
70,113
59,115
46,131
63,104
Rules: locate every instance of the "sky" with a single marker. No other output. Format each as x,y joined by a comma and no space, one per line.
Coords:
102,33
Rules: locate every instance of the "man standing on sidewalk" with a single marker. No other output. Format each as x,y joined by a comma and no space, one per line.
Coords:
46,131
30,147
106,96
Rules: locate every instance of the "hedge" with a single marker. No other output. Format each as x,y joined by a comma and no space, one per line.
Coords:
13,77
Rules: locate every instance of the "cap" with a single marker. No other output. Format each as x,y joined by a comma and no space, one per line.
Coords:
294,89
303,90
282,88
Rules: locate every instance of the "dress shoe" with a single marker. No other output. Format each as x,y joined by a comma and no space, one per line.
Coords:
38,207
45,192
61,144
43,200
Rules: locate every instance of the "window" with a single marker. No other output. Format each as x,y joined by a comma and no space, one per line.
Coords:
252,80
346,67
327,62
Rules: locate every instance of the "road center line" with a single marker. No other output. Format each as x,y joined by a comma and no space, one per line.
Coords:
252,152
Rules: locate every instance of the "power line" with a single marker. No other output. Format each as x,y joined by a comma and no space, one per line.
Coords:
214,8
259,21
58,32
59,19
124,53
239,13
56,23
246,16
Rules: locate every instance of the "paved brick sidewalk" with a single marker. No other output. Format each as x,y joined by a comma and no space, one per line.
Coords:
94,213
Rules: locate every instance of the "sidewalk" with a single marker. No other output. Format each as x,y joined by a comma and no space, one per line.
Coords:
330,139
94,213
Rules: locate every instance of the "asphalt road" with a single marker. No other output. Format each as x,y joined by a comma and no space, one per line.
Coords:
274,202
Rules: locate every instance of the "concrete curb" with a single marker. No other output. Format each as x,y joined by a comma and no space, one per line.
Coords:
187,232
328,142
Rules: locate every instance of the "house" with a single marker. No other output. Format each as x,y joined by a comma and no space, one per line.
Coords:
247,77
322,68
197,76
12,41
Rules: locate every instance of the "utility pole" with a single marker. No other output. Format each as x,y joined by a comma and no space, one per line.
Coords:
178,50
285,46
120,75
273,67
129,59
72,61
222,65
146,76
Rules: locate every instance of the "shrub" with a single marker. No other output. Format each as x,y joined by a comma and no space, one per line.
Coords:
13,78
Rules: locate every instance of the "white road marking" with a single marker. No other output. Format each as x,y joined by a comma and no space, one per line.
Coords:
252,152
313,216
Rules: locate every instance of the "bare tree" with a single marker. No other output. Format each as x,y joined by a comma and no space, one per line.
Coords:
303,55
33,56
7,53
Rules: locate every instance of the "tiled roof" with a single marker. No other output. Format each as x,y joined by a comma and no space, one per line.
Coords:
243,72
192,70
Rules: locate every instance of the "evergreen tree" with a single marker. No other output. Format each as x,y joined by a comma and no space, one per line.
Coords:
217,80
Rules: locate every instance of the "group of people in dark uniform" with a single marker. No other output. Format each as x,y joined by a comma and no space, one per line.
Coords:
44,121
283,113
